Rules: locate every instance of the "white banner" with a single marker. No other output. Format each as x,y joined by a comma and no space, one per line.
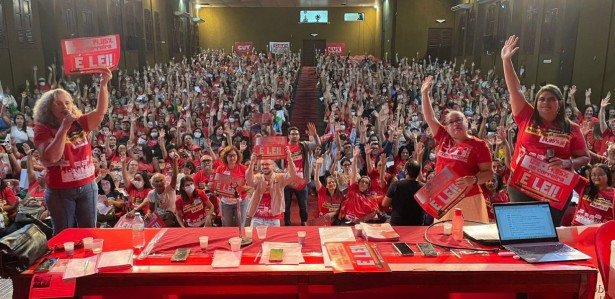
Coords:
279,47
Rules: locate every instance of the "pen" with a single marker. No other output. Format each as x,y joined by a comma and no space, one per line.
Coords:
456,254
257,255
85,268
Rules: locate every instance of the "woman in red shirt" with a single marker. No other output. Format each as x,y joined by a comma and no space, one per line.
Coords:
544,130
596,206
361,204
192,206
230,157
61,138
329,198
465,155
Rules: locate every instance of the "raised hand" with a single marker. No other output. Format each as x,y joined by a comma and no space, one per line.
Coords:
427,84
605,101
312,129
356,152
573,90
588,92
510,47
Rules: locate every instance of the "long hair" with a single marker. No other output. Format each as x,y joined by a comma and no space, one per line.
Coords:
182,192
23,126
110,180
592,192
561,118
43,108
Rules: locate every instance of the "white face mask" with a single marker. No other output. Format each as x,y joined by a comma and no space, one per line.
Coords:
141,141
197,135
154,135
342,128
432,156
189,189
137,184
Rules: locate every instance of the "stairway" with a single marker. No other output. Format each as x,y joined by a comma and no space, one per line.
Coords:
306,107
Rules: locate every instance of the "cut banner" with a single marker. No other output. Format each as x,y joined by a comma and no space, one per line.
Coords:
85,55
535,178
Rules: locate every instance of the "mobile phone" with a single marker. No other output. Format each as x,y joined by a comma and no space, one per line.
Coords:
403,249
45,265
180,254
276,255
427,249
550,154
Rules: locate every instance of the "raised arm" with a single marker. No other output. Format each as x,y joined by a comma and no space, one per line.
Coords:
356,154
95,117
602,114
517,100
428,113
317,182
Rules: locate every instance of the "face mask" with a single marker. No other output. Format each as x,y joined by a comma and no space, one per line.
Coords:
137,184
154,135
342,128
189,189
150,124
231,120
141,141
197,135
225,107
432,156
384,90
415,118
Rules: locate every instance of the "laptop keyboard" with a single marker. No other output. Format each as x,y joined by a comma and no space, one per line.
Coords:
543,249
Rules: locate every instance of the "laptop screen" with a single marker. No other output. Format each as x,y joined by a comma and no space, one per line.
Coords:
524,222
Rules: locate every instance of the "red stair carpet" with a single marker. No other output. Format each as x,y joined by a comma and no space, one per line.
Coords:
306,109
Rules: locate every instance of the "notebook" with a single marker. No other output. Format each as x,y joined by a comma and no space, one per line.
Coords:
114,260
527,230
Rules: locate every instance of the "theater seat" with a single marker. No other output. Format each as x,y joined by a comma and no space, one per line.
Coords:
604,236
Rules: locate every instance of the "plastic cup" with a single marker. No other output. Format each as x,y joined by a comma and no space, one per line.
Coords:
69,248
204,242
447,228
358,230
235,243
87,243
248,230
97,245
301,237
261,232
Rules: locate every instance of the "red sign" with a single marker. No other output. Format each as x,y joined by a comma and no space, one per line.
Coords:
262,118
273,147
227,185
356,257
243,48
441,193
83,55
336,48
535,178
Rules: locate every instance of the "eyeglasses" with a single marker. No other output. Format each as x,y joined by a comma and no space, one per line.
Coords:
455,121
205,161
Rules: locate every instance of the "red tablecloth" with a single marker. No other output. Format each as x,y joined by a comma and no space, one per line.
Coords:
116,239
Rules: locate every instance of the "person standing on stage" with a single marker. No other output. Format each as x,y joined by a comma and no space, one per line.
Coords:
543,128
466,155
267,203
61,137
301,151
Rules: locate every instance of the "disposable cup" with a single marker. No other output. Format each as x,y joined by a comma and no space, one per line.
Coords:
204,242
97,245
69,248
301,237
261,232
235,243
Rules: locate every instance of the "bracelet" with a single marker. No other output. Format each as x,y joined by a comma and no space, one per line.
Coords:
475,179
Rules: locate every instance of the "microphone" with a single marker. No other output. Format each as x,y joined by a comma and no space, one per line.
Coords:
550,154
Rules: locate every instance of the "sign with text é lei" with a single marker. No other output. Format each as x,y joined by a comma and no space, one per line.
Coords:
84,55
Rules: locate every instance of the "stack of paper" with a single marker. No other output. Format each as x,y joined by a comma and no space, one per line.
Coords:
226,259
292,253
113,260
379,232
332,235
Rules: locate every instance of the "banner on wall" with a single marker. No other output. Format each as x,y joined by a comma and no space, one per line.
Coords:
86,54
336,48
243,48
279,47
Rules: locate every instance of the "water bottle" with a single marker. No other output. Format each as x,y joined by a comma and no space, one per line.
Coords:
457,228
138,235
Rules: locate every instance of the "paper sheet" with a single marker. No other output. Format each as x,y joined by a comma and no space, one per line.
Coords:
292,253
333,234
80,267
226,259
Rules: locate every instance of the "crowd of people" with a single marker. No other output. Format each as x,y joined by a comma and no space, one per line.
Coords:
160,141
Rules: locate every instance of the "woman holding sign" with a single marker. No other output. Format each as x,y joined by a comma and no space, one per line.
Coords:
545,133
466,156
61,138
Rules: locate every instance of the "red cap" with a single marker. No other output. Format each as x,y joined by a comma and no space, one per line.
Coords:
458,212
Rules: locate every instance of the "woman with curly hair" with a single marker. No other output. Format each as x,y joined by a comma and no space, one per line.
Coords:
230,157
61,138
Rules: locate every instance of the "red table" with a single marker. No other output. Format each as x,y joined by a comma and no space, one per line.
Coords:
445,276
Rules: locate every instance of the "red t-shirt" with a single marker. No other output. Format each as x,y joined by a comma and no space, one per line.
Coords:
599,210
499,197
8,197
200,177
326,203
136,197
603,144
76,167
358,204
238,172
461,157
297,156
264,207
534,139
193,211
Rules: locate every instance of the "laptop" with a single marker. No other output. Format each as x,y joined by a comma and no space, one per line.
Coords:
527,229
